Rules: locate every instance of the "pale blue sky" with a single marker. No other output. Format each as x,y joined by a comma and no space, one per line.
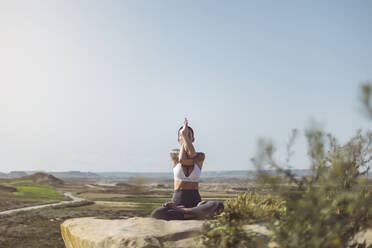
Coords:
104,85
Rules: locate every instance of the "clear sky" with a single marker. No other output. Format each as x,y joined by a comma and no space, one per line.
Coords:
105,85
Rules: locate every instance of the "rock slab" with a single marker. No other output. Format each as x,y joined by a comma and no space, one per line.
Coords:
138,232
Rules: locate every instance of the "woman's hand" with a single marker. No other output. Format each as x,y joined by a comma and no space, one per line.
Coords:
185,129
186,140
174,206
168,204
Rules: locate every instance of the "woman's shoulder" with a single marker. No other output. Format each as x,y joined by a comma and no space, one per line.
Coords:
199,159
200,156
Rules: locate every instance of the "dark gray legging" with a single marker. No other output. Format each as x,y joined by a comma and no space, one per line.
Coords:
204,211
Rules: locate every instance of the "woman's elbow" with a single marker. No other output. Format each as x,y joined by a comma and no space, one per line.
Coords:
200,156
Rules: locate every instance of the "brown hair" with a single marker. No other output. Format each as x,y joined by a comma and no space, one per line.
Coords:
192,131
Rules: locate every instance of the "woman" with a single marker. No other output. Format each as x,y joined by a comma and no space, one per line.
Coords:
187,165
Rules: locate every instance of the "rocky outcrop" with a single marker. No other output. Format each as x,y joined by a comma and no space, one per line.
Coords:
137,232
140,232
133,232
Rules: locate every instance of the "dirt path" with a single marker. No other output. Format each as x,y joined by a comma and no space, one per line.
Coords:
68,194
94,187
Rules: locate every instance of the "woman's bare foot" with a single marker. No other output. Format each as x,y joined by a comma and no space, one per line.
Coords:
201,203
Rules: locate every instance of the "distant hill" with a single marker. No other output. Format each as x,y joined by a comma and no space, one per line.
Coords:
13,174
42,178
74,174
63,175
205,174
117,174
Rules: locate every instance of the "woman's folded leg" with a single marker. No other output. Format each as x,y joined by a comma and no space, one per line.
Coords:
166,213
206,210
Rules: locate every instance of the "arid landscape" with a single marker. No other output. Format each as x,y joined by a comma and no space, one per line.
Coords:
262,107
110,198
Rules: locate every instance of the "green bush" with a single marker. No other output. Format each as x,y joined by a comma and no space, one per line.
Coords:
252,207
327,208
324,209
228,229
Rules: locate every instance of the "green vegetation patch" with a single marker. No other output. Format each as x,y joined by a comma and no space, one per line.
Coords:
34,192
247,208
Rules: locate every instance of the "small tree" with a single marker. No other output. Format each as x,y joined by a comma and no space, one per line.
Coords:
325,209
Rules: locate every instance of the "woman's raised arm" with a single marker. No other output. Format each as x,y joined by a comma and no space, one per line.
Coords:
187,142
183,158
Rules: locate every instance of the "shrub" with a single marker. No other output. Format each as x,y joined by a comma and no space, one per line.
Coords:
252,207
325,209
330,206
228,229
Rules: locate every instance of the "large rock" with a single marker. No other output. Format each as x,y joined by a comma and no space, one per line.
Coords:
138,232
134,232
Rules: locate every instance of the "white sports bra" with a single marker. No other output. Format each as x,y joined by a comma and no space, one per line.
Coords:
179,175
